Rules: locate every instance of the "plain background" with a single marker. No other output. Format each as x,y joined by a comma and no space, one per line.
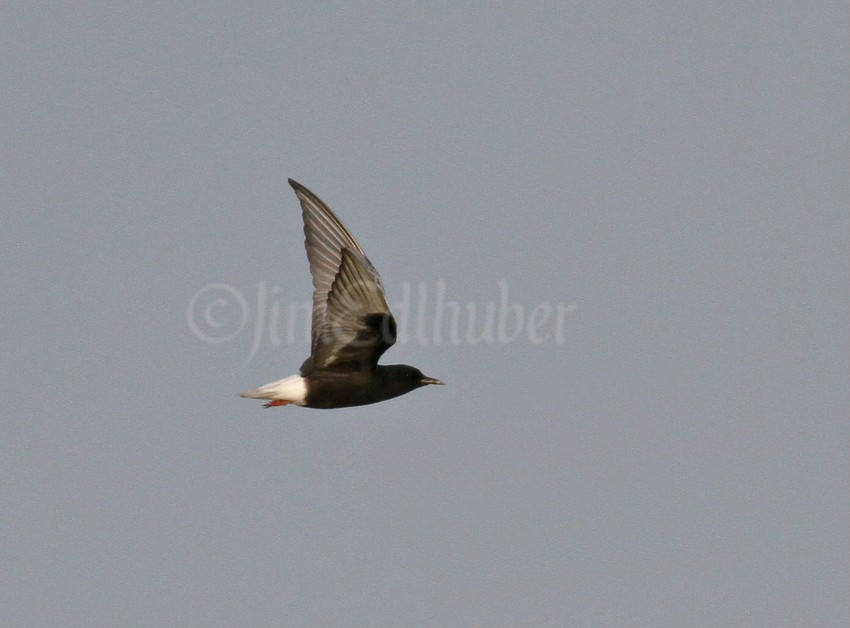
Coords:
678,171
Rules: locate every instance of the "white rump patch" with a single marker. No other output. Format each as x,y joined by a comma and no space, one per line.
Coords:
292,389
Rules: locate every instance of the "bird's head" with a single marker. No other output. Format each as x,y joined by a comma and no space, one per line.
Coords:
405,378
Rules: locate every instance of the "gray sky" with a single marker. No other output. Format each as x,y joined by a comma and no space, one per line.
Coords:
673,175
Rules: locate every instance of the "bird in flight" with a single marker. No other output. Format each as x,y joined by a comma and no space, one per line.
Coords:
352,324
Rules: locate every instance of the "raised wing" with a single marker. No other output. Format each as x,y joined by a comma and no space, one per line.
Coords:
352,323
358,326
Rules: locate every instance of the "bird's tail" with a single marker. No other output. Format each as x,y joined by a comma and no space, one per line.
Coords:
292,389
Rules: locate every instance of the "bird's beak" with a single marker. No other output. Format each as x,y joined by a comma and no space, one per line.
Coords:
430,380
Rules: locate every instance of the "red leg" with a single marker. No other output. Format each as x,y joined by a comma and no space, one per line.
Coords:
276,402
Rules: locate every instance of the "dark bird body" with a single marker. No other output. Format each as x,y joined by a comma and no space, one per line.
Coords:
352,324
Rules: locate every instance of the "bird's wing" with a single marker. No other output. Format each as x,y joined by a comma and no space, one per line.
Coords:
358,326
352,323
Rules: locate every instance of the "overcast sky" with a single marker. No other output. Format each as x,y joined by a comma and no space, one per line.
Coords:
649,203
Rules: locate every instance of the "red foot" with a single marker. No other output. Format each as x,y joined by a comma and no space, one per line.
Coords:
276,402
